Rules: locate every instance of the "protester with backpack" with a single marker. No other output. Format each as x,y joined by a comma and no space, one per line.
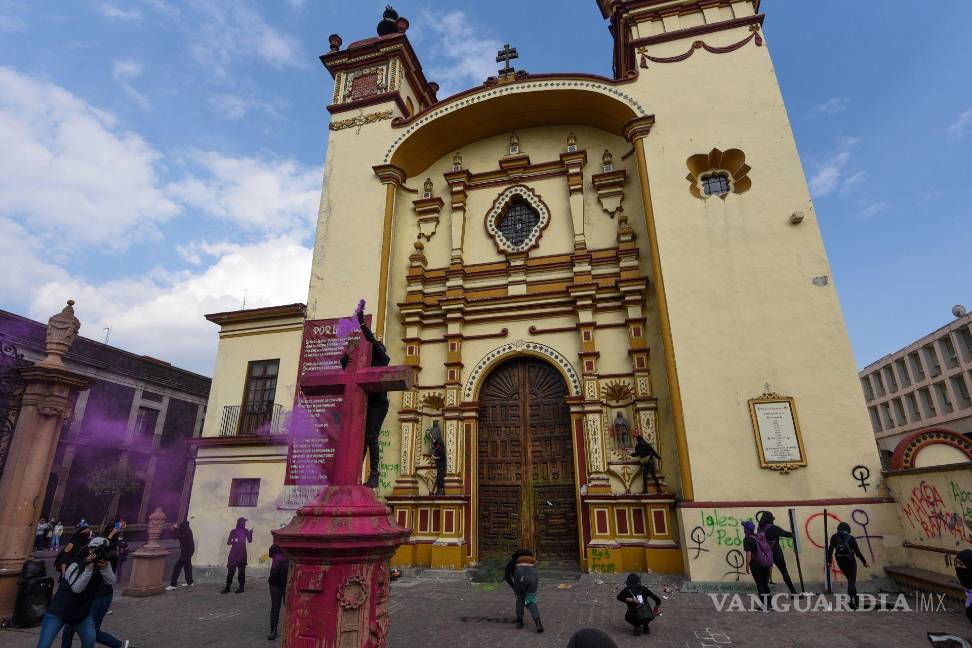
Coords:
759,561
635,596
773,533
843,547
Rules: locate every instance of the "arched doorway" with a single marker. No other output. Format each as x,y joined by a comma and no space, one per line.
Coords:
526,490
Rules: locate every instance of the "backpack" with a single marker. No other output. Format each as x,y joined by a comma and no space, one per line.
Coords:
643,612
843,548
764,551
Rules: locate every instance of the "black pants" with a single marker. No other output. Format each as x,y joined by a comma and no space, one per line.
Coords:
184,562
849,568
232,569
761,577
648,469
276,598
780,563
440,473
377,409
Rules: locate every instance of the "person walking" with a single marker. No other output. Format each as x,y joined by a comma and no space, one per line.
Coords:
843,547
635,596
103,597
71,606
963,570
773,533
759,562
236,562
187,547
56,534
524,579
279,564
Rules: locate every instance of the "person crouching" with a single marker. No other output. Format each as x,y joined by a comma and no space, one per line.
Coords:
635,596
522,576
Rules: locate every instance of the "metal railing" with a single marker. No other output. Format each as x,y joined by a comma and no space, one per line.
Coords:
252,419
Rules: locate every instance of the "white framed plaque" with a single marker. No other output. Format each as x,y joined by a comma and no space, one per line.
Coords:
777,429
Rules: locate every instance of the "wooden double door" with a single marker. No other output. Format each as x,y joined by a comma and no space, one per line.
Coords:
526,491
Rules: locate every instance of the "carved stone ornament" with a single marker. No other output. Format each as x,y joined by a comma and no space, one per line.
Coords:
361,120
731,163
155,523
353,593
62,331
498,212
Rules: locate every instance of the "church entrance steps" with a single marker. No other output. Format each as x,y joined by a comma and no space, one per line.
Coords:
913,580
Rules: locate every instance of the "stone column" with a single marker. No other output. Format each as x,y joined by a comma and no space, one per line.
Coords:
50,390
148,562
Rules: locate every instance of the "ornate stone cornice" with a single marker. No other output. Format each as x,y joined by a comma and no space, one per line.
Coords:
389,174
638,128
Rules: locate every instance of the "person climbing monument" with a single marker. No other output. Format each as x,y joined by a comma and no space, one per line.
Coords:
377,401
646,454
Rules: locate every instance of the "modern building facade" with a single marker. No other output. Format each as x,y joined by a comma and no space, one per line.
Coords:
545,251
924,385
137,415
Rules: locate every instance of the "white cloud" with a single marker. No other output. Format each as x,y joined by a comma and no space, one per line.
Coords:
852,181
265,195
833,106
71,171
462,56
873,209
236,106
110,10
225,30
11,24
958,129
124,71
830,173
162,315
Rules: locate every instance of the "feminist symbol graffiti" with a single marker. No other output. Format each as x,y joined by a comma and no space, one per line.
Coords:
862,519
861,474
735,560
698,537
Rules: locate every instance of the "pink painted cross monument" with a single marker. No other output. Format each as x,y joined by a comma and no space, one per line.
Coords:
339,545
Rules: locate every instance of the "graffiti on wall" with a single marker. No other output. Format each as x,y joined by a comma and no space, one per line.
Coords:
945,519
861,474
387,472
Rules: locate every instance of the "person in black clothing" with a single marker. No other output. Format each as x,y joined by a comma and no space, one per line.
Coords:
963,570
522,577
591,638
646,455
438,453
773,534
844,547
377,401
635,596
759,571
187,547
103,597
278,585
71,606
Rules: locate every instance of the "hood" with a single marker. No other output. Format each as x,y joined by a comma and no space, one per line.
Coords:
964,572
765,518
241,523
843,527
748,527
632,580
96,542
275,550
591,638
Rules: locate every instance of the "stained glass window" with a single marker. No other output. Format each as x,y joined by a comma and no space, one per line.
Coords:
518,221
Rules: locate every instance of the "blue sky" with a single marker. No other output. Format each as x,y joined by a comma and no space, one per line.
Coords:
162,159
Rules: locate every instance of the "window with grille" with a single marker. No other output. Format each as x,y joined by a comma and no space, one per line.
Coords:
716,184
261,389
244,492
518,221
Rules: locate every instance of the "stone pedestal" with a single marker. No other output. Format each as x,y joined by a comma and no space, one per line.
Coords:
148,562
339,547
46,403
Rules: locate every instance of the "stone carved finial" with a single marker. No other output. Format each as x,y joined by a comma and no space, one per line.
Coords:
514,147
607,161
62,330
427,188
571,143
457,162
155,523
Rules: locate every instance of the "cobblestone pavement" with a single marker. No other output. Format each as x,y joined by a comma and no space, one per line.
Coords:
456,614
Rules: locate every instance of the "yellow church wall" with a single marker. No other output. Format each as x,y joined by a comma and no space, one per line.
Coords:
211,516
239,344
711,538
737,274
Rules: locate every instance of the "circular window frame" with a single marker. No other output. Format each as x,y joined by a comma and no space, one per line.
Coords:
498,210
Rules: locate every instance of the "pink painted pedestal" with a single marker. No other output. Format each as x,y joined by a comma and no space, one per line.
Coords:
337,593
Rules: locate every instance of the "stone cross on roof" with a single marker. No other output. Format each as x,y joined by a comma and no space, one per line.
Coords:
504,56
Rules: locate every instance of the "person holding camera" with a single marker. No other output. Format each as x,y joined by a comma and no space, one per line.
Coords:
87,570
104,595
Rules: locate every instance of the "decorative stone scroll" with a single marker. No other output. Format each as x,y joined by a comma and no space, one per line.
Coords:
361,120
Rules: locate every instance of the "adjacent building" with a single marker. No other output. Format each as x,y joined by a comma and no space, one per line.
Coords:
927,384
137,415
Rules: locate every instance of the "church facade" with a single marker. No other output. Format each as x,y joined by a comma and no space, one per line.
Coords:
548,251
